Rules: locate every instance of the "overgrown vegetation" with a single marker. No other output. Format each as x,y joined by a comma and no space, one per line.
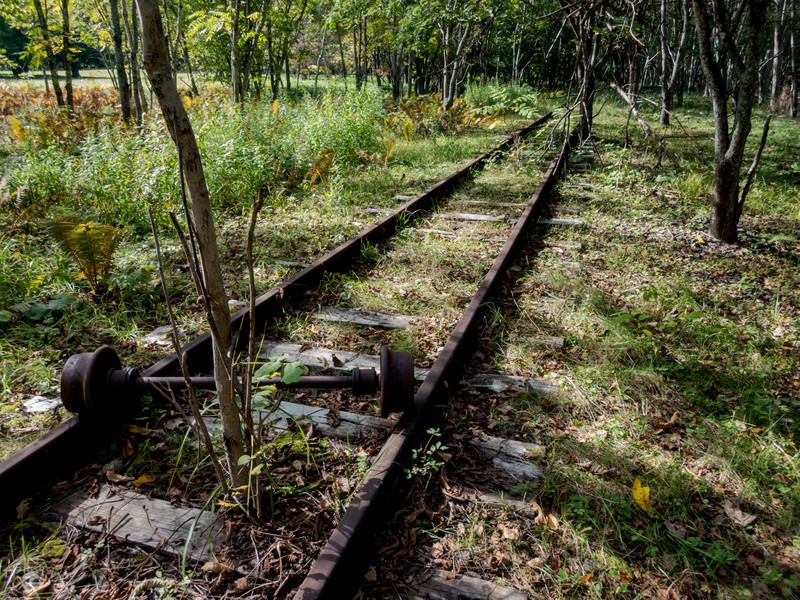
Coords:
672,445
679,368
321,159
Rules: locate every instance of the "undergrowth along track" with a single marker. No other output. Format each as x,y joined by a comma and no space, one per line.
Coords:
73,443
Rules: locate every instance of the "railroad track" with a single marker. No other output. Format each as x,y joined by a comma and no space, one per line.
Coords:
479,231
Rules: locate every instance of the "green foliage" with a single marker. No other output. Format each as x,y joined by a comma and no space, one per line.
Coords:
344,124
421,116
288,372
430,458
91,245
521,100
38,311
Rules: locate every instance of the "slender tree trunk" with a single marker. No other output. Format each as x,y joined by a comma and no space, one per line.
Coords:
251,46
187,60
670,78
181,47
65,37
119,62
139,102
777,55
319,57
793,48
357,58
666,93
340,36
236,92
162,81
41,15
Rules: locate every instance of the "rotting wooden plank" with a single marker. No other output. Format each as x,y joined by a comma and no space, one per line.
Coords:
568,209
477,496
443,585
529,508
478,217
559,221
455,234
290,264
326,358
498,382
329,423
515,449
513,457
570,265
144,521
366,318
545,341
564,244
441,232
489,203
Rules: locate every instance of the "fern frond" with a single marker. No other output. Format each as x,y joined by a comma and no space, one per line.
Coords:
91,245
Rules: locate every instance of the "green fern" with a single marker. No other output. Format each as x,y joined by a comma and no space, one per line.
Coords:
91,245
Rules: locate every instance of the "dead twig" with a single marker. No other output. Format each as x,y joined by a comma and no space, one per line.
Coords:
751,172
198,425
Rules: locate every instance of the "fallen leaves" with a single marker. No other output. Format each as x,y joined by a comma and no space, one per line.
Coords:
641,496
735,514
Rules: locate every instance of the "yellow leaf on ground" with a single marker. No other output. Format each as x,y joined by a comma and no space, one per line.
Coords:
641,496
586,579
143,479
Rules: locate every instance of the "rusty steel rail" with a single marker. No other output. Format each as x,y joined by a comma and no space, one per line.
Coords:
75,442
335,571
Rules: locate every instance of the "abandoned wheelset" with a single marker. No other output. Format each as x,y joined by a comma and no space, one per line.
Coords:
95,383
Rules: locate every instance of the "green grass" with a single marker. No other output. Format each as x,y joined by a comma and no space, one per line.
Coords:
679,369
92,168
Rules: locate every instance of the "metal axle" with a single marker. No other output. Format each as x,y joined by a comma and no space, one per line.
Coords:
95,382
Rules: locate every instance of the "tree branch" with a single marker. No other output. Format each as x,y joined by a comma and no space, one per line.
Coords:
751,172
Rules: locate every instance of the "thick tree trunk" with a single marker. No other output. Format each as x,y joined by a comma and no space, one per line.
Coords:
729,143
724,210
157,64
119,62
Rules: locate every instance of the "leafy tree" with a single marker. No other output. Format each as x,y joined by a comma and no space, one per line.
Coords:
12,47
731,40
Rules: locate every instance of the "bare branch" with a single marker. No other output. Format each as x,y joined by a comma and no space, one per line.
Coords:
751,172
